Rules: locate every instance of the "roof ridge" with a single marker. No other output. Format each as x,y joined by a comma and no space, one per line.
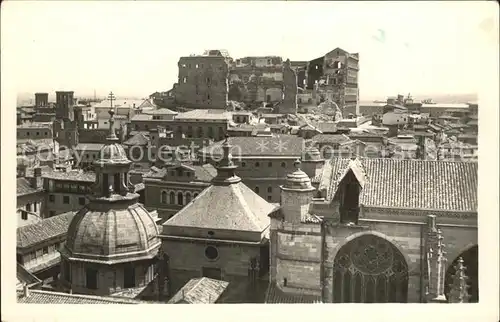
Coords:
237,190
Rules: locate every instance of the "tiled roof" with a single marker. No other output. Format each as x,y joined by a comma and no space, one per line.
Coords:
23,187
30,235
71,175
162,111
205,115
241,209
89,147
330,138
393,183
139,139
203,173
275,295
46,297
200,291
25,277
279,145
326,127
142,117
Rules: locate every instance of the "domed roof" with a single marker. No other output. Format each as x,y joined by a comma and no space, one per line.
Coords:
312,154
114,235
113,153
298,180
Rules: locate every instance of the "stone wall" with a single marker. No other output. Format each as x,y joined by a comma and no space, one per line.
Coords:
187,260
296,250
289,104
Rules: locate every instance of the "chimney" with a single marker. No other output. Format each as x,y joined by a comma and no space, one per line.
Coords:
36,181
26,291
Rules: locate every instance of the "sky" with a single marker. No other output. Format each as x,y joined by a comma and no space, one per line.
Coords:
132,48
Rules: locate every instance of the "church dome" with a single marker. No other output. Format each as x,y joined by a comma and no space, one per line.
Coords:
312,154
113,153
112,235
298,180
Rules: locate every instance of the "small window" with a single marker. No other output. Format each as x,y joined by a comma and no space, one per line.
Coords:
269,189
37,133
257,164
66,199
269,198
28,207
45,250
184,80
270,164
24,215
283,164
91,278
256,189
81,201
196,66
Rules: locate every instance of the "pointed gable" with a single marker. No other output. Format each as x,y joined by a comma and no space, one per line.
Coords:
355,168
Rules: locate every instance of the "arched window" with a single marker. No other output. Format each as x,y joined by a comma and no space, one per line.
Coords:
256,189
210,132
188,197
172,198
180,198
369,269
163,197
195,195
283,164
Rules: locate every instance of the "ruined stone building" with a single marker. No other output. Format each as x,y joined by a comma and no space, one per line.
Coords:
371,233
333,76
254,80
203,80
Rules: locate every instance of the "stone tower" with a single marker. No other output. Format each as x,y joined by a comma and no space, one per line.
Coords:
296,195
112,243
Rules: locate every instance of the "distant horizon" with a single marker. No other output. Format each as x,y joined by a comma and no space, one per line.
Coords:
133,50
25,97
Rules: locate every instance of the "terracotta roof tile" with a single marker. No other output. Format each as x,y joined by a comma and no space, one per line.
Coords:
200,291
275,295
30,235
46,297
279,145
392,183
242,210
23,187
139,139
71,175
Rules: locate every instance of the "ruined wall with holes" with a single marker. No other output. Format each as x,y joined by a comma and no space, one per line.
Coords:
203,82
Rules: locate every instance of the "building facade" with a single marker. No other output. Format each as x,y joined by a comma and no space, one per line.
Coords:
365,239
203,80
221,240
